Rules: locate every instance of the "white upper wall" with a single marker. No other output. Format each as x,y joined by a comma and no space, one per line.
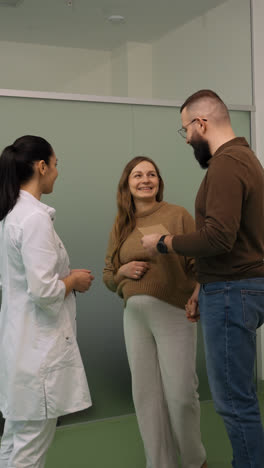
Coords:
48,68
212,51
119,71
258,40
131,67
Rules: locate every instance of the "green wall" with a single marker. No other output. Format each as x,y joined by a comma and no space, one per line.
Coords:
93,142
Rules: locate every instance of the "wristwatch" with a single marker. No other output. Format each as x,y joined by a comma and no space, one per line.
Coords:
161,246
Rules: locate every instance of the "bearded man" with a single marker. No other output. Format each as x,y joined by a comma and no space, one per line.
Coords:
228,247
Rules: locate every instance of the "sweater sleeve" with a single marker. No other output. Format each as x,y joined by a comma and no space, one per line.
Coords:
108,272
224,198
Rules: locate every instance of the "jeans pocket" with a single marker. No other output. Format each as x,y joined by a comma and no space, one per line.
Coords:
211,289
253,308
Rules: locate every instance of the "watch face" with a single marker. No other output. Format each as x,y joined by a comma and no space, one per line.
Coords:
161,246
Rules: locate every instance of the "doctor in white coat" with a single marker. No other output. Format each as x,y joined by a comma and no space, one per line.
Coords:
41,371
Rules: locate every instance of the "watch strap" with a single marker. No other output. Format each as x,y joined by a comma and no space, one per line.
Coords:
161,246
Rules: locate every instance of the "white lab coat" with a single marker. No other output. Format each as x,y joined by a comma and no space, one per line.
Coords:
41,370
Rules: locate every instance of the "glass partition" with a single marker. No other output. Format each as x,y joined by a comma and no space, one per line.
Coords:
93,142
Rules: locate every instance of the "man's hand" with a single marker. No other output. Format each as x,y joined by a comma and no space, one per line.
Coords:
149,243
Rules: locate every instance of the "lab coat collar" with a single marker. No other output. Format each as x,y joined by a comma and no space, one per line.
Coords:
27,196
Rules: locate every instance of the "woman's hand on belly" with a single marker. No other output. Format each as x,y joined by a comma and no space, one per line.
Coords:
133,270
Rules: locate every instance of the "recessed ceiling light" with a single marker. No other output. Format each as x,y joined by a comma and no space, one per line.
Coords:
116,19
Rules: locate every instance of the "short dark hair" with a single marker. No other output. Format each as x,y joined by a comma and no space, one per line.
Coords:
16,167
201,94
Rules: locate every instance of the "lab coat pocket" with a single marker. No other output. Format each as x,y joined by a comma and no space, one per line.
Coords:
66,388
68,347
66,391
61,351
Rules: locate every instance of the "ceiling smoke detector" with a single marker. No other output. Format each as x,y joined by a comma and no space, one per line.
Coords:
116,19
10,3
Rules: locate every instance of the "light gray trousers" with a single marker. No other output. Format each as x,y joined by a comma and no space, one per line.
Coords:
24,444
161,348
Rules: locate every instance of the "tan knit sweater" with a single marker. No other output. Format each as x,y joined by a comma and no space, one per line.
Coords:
169,276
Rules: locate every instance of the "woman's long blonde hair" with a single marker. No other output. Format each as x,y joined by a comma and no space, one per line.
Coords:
125,219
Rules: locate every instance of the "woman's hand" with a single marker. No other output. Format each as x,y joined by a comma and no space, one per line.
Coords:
133,270
78,280
82,279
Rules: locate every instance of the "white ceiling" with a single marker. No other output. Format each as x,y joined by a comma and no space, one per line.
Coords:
85,24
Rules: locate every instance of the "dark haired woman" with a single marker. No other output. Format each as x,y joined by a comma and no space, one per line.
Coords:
41,371
160,342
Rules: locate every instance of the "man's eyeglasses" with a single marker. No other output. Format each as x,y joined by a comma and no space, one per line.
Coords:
183,131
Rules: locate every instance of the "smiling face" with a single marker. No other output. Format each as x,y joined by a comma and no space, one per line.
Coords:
143,182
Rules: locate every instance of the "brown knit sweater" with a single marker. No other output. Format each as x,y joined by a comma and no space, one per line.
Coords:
169,277
229,240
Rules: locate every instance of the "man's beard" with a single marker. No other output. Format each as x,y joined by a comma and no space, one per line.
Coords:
201,151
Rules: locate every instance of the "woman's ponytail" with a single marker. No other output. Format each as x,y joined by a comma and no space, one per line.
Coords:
17,167
9,181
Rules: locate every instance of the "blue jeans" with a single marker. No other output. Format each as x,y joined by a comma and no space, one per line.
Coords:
231,312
